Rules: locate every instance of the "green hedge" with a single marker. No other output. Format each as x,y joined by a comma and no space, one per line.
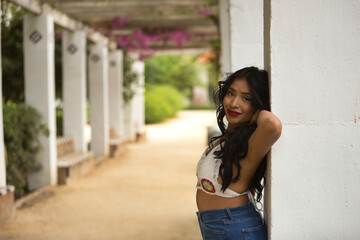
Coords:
22,129
59,121
162,102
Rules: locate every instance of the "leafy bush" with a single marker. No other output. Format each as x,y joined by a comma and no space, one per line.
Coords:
22,129
179,71
12,52
161,102
131,78
201,107
59,121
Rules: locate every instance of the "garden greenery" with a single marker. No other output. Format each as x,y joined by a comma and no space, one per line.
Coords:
22,129
131,78
162,102
179,71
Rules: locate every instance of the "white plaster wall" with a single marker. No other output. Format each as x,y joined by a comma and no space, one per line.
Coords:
315,86
246,33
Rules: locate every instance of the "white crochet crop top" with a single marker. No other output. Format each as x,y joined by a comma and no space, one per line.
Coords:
207,172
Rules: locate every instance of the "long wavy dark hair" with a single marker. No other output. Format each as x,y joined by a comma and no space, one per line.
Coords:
234,144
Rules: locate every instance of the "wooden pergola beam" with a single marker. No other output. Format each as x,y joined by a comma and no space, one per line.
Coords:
126,3
97,17
64,20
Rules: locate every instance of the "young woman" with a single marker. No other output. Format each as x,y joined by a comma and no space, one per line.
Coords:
232,170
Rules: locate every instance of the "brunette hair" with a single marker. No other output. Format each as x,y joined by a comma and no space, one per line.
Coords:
234,144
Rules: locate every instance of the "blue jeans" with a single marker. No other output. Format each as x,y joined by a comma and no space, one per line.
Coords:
239,223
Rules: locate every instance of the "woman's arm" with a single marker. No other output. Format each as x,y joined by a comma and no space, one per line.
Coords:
268,131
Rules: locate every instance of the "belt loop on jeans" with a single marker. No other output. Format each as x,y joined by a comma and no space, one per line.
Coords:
229,213
199,216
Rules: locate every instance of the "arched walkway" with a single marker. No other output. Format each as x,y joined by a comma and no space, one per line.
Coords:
148,193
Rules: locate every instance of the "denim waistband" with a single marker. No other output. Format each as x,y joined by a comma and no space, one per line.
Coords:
226,212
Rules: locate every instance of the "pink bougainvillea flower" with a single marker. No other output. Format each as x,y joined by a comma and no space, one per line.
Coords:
205,11
58,34
119,22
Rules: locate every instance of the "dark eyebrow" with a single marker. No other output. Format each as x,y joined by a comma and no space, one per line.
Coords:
245,93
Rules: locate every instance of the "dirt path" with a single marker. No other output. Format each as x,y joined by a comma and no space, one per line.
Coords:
149,193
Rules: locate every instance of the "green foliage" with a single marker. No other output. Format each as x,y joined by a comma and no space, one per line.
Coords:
13,57
59,121
58,64
22,129
12,52
161,102
202,107
131,78
179,71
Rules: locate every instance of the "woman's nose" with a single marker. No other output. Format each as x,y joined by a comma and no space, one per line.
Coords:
235,102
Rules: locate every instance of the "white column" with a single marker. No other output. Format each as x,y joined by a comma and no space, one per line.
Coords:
99,100
2,152
135,108
225,37
130,131
116,103
38,36
139,98
241,34
315,165
74,87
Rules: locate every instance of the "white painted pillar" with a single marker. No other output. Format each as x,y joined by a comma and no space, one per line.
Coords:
241,25
314,173
99,99
130,132
2,152
38,37
139,98
135,108
116,103
225,37
74,87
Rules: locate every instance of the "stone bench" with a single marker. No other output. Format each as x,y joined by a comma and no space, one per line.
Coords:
117,147
72,165
117,144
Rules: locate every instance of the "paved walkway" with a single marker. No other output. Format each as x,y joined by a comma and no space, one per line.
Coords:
149,193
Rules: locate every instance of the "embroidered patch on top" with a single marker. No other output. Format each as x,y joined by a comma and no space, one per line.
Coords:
207,185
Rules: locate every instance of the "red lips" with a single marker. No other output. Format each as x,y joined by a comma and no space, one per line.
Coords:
233,113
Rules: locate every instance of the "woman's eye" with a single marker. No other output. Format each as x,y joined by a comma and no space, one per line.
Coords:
247,99
229,93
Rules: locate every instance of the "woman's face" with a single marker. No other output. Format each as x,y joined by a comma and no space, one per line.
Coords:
237,104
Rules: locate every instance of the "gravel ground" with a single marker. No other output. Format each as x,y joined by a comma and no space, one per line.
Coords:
148,193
